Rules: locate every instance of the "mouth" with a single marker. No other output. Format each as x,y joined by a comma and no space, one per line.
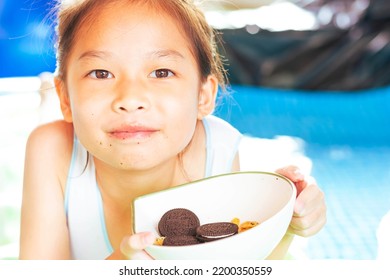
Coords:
132,132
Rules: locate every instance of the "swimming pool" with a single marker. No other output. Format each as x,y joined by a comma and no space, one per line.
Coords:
347,137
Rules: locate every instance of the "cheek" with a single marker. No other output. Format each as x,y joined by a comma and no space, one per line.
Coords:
186,129
86,106
181,118
86,121
183,102
184,112
84,115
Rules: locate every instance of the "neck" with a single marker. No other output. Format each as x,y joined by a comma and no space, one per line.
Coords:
122,186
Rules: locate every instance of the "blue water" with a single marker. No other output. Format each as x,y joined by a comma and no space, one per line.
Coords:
347,137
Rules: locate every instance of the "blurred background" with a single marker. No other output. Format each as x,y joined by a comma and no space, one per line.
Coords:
310,85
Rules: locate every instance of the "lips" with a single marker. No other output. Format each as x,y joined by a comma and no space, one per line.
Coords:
132,132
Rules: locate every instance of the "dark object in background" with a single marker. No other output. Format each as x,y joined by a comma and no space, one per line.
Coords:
325,59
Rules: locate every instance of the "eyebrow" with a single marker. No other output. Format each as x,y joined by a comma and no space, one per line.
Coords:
158,54
95,54
165,53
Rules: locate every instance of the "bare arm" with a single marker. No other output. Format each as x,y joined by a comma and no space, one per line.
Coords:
44,233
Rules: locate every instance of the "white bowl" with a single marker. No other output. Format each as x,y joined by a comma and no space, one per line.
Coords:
265,197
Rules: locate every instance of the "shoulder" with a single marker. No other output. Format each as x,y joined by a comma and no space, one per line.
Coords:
219,130
224,139
49,146
56,130
51,135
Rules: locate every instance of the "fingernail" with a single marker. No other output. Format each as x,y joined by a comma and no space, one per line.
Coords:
299,173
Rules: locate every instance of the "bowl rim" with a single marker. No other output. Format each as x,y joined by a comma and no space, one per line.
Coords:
204,179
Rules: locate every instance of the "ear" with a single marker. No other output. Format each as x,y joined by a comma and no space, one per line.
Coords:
207,96
64,99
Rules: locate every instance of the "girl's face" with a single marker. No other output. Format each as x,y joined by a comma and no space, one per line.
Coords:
133,89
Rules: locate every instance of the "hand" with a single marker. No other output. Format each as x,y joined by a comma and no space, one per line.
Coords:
309,210
132,247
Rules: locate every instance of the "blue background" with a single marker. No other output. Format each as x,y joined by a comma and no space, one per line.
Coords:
26,38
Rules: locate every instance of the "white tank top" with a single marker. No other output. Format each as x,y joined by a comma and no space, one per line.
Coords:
83,201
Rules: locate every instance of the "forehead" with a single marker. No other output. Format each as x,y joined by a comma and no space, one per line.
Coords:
130,25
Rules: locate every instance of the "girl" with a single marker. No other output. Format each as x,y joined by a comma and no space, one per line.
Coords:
137,81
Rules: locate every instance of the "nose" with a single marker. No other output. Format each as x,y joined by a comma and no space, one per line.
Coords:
131,97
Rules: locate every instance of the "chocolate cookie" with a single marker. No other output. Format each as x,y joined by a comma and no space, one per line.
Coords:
178,221
180,240
215,231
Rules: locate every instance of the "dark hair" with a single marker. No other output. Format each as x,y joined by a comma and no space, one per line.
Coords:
73,13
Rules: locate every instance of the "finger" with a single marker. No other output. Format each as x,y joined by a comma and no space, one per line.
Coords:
292,172
308,181
308,231
133,246
310,224
310,198
296,176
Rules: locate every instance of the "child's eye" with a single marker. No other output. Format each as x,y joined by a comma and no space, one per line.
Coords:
100,74
161,73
